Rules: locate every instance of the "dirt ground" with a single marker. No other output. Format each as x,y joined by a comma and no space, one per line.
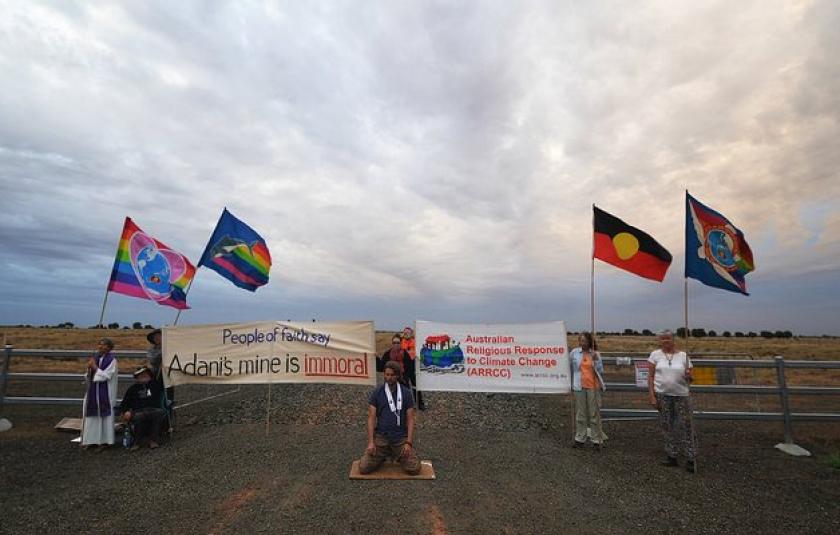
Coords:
504,465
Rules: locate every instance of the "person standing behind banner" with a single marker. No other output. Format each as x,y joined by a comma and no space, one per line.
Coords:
399,355
390,425
155,357
668,391
587,384
410,346
97,409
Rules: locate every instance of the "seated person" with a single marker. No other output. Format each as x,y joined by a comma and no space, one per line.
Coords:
141,408
390,425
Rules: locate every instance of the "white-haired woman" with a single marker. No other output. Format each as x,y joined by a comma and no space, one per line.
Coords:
668,390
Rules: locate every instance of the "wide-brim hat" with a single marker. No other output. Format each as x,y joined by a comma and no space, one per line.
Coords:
151,335
141,370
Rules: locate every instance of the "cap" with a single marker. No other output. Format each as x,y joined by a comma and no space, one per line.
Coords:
150,336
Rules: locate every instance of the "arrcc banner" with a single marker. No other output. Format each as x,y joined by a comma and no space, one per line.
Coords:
270,352
524,358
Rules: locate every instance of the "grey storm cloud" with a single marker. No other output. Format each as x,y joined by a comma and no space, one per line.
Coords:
408,160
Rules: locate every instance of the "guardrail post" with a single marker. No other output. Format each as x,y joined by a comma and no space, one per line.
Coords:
5,424
783,397
787,446
4,373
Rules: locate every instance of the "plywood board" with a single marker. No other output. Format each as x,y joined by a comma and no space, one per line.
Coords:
69,424
75,424
392,470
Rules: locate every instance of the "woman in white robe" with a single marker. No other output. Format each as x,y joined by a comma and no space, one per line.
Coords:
98,408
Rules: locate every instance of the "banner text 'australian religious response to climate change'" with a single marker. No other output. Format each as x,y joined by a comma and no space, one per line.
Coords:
527,358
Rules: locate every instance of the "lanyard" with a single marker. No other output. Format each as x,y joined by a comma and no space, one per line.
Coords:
394,409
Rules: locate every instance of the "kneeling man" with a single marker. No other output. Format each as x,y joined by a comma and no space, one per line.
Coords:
390,425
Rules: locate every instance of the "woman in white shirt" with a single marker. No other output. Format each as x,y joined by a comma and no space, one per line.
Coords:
668,381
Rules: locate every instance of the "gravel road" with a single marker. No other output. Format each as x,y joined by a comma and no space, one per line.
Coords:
504,465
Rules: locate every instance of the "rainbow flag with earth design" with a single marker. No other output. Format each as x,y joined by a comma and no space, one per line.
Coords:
236,252
149,269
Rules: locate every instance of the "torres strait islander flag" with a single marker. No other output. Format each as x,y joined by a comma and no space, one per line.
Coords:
148,269
716,252
236,252
628,248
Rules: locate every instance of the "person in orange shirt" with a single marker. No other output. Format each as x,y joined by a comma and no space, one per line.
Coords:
587,384
409,344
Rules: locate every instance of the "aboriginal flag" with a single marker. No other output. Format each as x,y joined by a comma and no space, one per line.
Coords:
628,248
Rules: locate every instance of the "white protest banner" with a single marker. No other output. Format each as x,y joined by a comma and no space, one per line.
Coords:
528,358
270,352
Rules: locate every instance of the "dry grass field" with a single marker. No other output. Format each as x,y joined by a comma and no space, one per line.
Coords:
802,348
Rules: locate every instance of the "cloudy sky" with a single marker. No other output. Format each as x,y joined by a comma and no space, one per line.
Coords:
421,160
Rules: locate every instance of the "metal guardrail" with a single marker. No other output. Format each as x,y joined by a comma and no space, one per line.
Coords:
780,389
6,376
625,358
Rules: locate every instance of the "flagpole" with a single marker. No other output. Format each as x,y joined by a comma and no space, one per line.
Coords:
685,303
104,302
108,286
189,286
592,279
685,281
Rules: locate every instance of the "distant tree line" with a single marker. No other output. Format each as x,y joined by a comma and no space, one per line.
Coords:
71,325
115,325
703,333
679,332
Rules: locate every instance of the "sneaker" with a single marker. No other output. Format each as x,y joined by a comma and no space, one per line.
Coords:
597,447
577,444
670,461
691,467
153,445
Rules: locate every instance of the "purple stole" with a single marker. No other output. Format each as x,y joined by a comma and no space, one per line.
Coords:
98,401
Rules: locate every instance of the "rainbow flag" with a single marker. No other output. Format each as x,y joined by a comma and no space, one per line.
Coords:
236,252
148,269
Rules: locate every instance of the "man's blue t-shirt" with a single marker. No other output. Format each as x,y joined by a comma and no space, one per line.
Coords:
386,421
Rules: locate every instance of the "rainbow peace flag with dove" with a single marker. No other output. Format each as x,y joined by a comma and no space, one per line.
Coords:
236,252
